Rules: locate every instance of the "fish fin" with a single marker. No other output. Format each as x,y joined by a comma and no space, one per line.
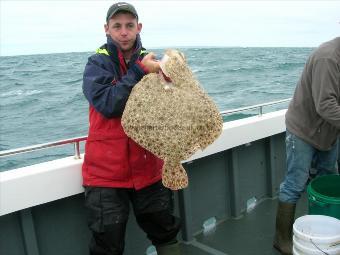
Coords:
174,177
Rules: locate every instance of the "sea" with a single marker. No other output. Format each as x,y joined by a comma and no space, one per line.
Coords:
41,98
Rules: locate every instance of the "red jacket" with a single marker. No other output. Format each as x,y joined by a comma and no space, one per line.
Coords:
112,159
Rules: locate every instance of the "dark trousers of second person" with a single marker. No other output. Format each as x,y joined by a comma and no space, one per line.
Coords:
108,211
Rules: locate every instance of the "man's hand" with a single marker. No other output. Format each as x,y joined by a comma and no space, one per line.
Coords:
150,62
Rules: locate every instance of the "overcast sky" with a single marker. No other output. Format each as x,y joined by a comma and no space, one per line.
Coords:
31,27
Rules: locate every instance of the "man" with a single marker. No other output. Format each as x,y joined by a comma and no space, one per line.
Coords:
313,123
116,170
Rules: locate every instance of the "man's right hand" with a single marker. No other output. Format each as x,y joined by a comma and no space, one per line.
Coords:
150,62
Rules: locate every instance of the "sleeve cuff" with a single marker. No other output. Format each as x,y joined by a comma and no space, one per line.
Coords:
143,67
140,70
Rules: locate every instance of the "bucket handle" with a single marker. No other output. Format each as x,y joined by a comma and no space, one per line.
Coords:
323,252
319,203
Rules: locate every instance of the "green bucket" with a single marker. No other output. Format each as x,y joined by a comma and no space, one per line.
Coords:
324,196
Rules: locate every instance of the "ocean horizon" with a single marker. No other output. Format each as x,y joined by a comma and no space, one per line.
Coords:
159,49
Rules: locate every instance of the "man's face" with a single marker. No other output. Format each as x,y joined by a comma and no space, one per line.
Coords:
123,29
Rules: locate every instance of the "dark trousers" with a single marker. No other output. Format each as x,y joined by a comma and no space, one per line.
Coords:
108,211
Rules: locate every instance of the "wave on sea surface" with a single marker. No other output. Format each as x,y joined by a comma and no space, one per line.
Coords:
42,99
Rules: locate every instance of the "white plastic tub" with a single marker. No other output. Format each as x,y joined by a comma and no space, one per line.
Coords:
316,234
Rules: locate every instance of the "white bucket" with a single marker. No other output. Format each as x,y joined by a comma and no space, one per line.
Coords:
295,252
316,234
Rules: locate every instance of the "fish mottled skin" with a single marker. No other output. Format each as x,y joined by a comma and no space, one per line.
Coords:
172,119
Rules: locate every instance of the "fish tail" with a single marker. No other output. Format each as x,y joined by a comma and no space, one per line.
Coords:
174,177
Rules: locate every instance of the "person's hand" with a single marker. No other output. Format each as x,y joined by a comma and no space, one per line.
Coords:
150,62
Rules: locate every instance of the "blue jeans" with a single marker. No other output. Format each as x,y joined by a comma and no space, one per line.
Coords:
301,157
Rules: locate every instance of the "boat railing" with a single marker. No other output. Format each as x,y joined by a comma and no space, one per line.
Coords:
253,107
76,141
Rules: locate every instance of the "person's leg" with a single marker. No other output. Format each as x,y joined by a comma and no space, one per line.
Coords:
108,210
326,161
299,159
153,208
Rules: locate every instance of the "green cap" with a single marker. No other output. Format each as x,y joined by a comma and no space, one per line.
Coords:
120,7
